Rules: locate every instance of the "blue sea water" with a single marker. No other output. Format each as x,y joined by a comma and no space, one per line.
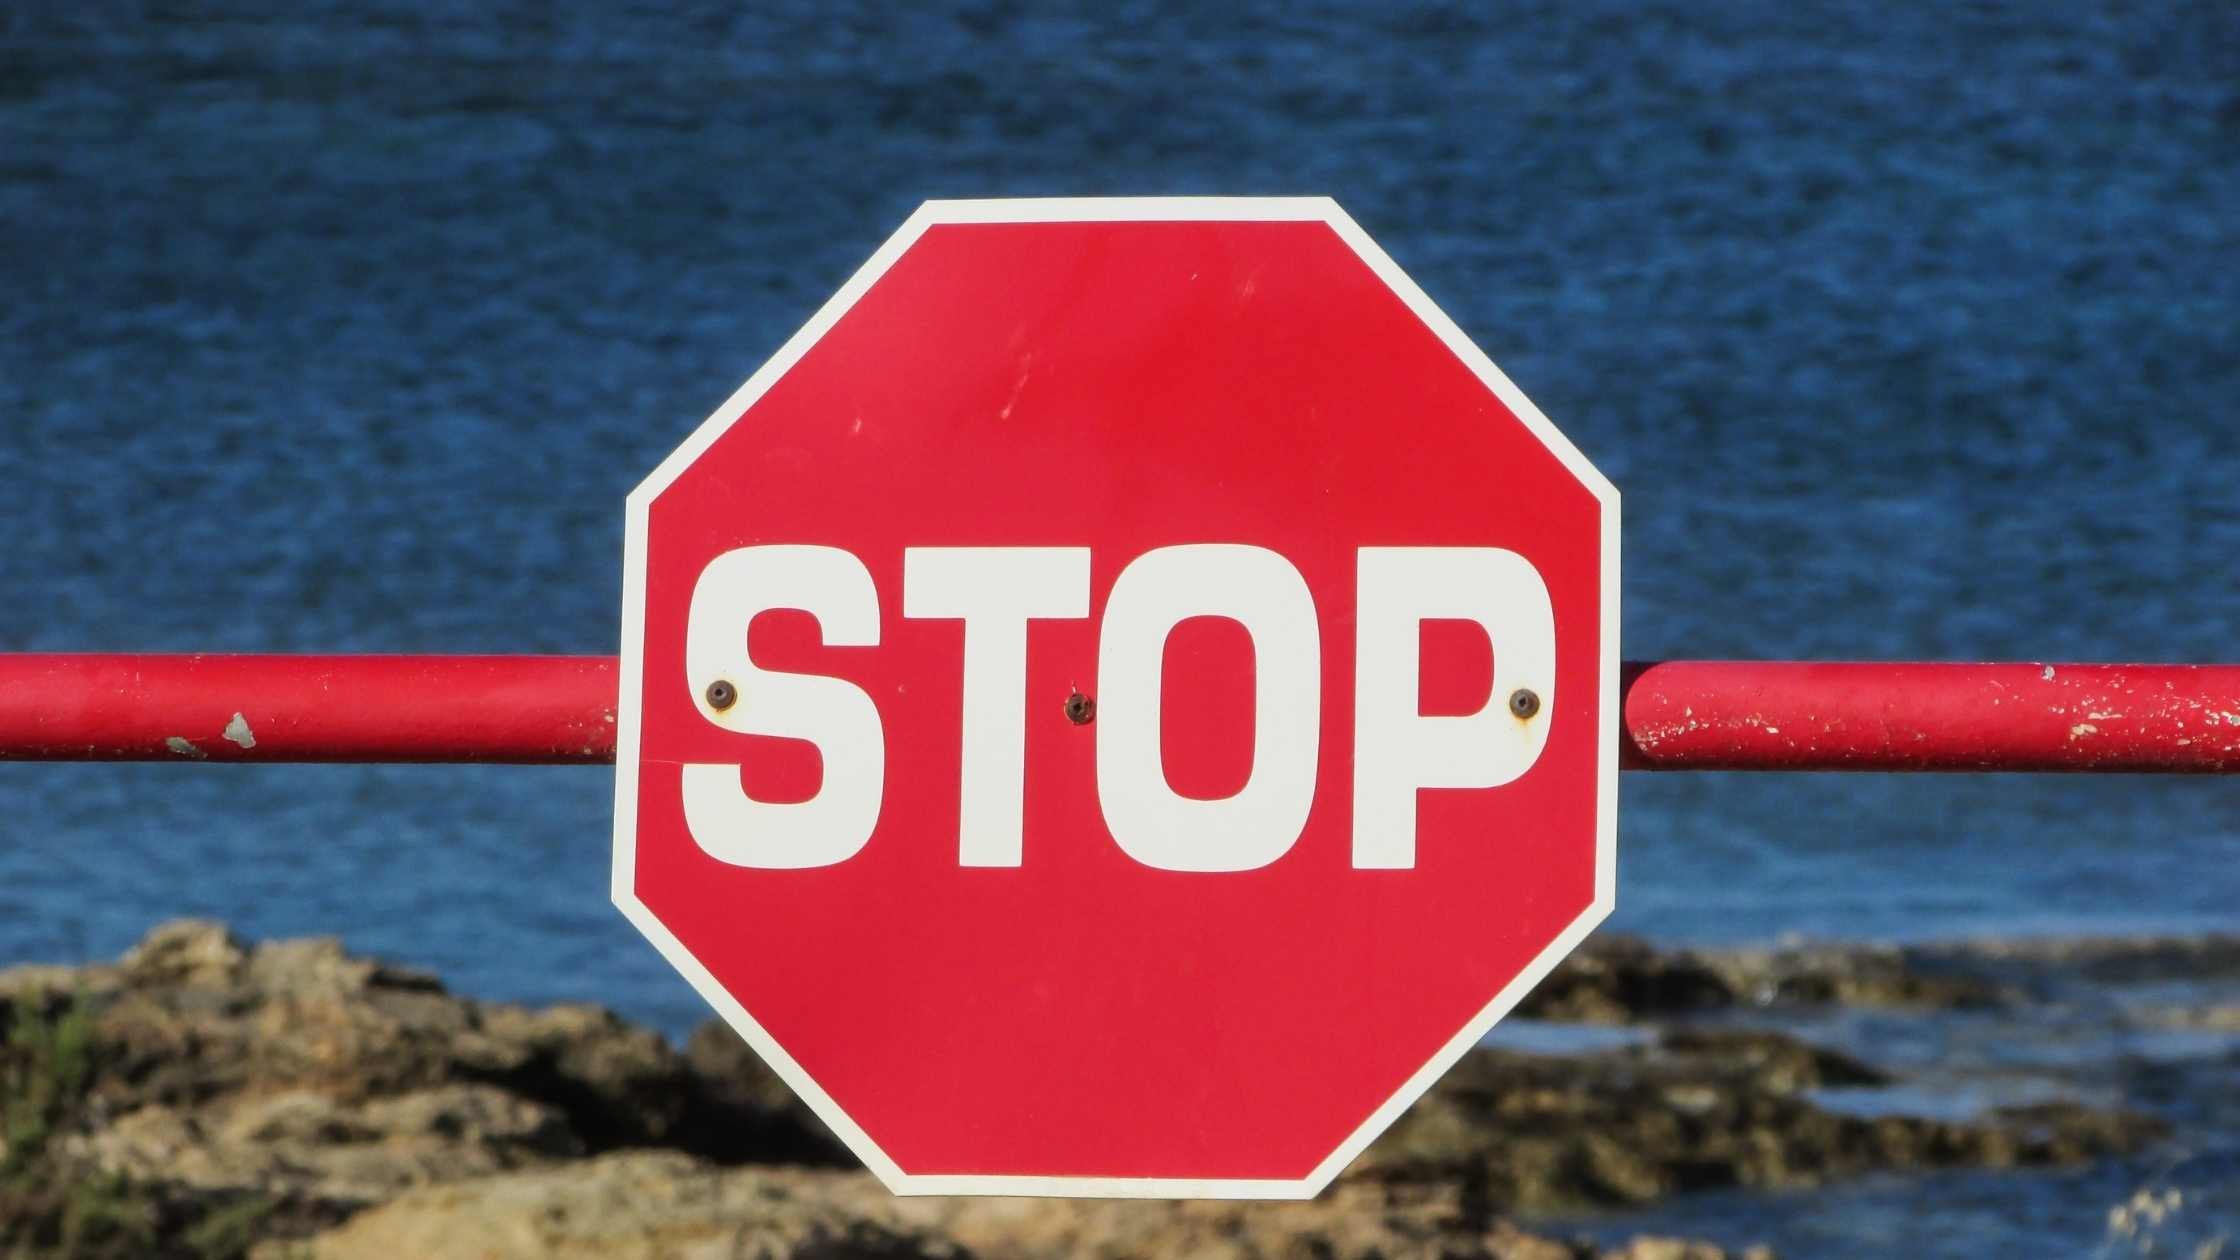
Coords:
1907,331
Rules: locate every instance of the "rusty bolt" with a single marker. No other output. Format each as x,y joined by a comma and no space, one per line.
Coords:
722,695
1524,702
1080,709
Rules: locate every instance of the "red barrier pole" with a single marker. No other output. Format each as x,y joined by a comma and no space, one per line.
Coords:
108,707
1678,715
1905,715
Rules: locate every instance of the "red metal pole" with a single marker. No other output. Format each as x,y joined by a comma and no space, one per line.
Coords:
1678,715
1902,715
85,707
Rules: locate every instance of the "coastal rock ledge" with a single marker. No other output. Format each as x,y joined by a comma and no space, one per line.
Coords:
202,1097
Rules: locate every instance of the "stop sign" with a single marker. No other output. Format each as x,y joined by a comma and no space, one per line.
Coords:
1121,701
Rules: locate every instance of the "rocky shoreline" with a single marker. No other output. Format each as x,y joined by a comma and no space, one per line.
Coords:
206,1098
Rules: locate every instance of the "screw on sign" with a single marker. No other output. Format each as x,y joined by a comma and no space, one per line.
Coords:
1086,722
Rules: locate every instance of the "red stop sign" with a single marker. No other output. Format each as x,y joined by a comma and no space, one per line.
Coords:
1121,701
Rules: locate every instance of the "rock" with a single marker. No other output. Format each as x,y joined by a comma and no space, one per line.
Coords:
1856,975
1772,1060
325,1159
209,1074
784,1130
2208,1017
187,953
2102,960
1681,1249
1694,1111
1614,979
215,1093
637,1205
191,1019
1619,979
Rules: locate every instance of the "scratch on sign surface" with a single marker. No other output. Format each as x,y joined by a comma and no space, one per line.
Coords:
2082,729
1026,369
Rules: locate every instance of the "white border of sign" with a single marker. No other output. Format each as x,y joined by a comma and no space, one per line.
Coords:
1059,210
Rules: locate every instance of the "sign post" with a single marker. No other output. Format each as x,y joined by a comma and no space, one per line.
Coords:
1124,699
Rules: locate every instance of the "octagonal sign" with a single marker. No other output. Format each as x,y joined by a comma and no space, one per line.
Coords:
1123,700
